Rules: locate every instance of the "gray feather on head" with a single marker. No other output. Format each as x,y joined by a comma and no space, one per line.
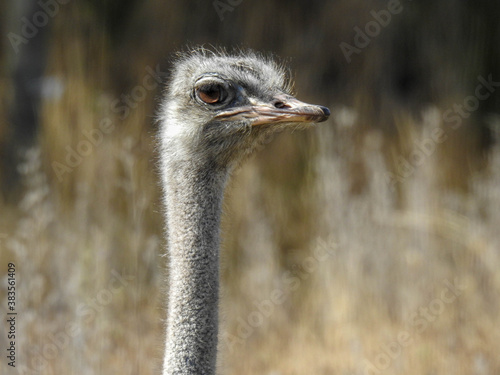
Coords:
214,100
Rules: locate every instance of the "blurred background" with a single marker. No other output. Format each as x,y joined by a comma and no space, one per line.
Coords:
378,228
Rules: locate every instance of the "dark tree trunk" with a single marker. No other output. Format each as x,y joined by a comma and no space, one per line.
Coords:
27,76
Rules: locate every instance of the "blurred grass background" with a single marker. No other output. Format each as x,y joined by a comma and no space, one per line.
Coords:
359,224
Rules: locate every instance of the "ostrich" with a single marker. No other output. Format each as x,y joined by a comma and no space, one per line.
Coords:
218,108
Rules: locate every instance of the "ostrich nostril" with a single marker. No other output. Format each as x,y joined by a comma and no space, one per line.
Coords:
279,104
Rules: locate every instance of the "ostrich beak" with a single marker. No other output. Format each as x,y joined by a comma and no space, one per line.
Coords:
283,108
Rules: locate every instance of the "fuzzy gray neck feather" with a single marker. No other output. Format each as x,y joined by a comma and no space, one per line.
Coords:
194,194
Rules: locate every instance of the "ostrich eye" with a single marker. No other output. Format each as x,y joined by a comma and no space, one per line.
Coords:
211,94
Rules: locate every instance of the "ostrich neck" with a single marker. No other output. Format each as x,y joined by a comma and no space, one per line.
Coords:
194,196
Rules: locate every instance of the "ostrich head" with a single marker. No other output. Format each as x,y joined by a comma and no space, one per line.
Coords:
220,107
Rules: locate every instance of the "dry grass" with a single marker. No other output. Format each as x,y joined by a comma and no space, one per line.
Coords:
361,281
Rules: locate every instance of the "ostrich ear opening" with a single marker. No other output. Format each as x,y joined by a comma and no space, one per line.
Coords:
281,109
